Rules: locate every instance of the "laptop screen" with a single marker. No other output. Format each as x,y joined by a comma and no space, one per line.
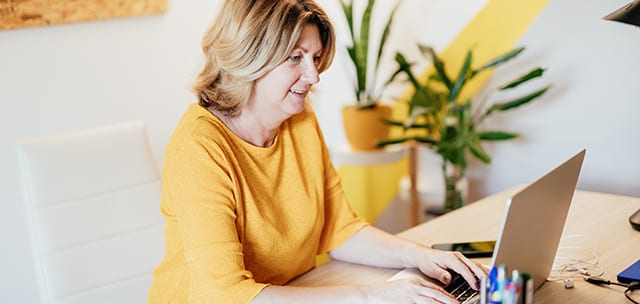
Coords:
534,220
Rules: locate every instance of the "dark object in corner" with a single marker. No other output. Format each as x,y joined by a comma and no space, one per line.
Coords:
629,14
634,220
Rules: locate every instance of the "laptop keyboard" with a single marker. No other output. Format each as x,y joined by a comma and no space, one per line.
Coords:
461,290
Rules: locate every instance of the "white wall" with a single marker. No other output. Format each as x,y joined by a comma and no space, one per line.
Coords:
593,65
68,77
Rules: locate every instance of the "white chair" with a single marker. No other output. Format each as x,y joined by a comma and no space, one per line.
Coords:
93,206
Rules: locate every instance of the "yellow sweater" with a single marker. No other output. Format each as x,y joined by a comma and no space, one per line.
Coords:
240,217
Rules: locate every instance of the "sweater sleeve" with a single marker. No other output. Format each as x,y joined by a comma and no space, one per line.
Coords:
341,222
199,185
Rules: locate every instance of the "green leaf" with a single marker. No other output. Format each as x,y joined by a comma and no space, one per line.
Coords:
404,125
367,104
498,60
517,102
535,73
420,126
478,151
394,141
457,158
352,55
394,122
347,9
435,77
425,140
424,97
394,75
405,66
385,34
462,76
464,120
496,135
416,112
362,51
420,139
438,64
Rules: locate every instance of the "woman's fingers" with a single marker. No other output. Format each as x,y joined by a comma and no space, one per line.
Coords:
432,291
456,262
469,270
414,290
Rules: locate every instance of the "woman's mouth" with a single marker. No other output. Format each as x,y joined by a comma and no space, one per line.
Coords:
301,93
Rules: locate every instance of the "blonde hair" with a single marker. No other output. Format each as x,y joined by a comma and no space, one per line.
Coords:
248,39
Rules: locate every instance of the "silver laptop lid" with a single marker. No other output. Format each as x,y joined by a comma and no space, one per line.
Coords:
534,220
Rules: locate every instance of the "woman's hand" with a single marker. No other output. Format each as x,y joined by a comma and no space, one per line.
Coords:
434,263
414,290
374,247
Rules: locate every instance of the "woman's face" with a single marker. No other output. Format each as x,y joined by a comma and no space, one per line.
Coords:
281,92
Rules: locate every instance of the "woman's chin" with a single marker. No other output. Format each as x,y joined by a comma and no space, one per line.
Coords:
295,106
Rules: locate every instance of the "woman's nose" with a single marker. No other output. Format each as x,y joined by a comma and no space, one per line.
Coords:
310,73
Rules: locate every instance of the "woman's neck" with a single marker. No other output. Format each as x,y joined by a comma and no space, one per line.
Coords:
250,128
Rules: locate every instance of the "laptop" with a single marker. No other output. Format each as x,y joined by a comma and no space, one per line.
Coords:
533,222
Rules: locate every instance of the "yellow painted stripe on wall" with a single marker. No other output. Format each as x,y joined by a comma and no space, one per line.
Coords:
494,30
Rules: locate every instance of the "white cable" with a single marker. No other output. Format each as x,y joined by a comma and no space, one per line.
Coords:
575,260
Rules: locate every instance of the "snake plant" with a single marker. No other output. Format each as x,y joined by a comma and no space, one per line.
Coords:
365,71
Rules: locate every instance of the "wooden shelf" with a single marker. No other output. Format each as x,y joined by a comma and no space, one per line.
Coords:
344,155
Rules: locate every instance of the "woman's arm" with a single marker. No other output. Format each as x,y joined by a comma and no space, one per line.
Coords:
411,291
374,247
330,294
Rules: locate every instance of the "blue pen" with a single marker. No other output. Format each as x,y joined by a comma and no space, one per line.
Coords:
494,296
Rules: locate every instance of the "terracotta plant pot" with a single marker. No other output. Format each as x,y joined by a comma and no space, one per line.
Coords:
364,128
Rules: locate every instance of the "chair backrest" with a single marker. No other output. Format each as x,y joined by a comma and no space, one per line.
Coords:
93,200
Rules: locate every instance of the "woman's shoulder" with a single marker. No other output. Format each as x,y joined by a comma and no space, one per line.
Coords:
197,126
197,121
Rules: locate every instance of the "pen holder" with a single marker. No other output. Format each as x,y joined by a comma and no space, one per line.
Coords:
498,288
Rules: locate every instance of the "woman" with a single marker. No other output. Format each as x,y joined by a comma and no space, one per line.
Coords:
249,194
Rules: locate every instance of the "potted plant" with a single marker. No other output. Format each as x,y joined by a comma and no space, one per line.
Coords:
450,125
364,121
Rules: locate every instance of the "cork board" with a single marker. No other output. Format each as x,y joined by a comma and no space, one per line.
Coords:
28,13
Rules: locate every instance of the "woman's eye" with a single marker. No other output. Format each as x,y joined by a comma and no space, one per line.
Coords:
295,58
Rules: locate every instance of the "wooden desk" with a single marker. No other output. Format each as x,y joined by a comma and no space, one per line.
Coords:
599,217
